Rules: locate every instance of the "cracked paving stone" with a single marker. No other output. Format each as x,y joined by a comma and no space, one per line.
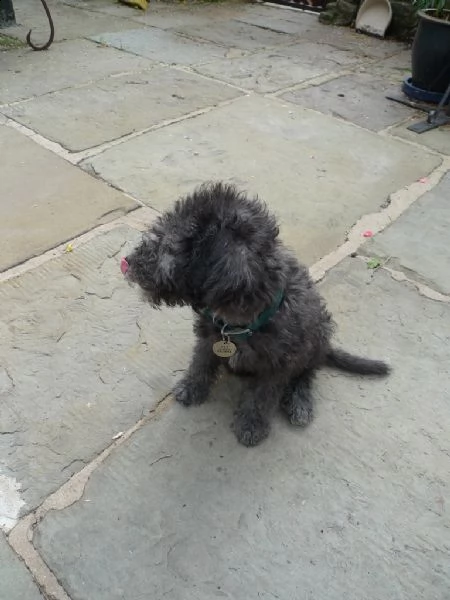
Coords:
84,359
351,507
318,174
280,68
24,75
15,580
359,98
418,242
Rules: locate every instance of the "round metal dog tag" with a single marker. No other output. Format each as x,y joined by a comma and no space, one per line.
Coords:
224,349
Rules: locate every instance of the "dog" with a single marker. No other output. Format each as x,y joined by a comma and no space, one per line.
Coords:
256,307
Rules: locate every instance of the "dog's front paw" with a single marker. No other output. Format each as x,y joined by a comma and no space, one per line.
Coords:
188,392
250,428
301,415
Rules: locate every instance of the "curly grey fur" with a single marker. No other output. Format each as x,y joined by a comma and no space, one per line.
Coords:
219,249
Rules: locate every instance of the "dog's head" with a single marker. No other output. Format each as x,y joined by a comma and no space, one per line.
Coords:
216,249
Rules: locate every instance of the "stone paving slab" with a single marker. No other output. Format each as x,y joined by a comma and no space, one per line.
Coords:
45,201
280,68
16,581
436,139
70,22
301,162
82,358
93,114
164,46
358,98
418,242
170,15
352,507
393,69
235,34
24,74
348,39
297,23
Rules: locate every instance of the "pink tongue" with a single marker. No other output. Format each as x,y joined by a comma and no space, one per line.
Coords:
124,265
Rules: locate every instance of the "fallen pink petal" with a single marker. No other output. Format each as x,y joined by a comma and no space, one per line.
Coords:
367,233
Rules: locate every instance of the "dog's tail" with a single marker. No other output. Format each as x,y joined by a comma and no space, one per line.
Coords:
356,364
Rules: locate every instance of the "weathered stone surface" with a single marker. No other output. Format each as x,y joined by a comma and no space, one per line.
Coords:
359,98
393,69
348,39
280,68
70,22
418,241
45,201
16,582
234,34
319,174
352,507
436,139
85,358
83,117
268,17
164,46
24,74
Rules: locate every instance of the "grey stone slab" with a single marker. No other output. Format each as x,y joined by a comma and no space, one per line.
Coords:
280,19
436,139
16,581
45,201
234,34
280,68
359,98
174,16
82,358
418,242
99,112
393,69
352,507
24,74
70,22
319,174
348,39
163,46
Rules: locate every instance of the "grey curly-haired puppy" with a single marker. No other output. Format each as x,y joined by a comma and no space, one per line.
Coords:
257,309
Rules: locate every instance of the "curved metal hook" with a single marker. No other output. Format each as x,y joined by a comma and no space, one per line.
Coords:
52,31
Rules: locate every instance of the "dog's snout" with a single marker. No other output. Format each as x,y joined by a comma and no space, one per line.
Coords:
124,265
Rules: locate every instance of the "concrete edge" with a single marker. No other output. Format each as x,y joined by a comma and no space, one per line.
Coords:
396,204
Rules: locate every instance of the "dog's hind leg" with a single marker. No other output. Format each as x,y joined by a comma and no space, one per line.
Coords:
297,401
259,400
194,387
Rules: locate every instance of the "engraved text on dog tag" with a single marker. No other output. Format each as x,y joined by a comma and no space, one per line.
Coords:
224,349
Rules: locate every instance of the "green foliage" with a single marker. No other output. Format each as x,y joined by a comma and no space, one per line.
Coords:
7,42
437,6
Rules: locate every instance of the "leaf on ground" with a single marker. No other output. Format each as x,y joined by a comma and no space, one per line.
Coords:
373,263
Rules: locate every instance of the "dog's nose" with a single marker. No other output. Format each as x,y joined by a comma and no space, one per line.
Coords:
124,266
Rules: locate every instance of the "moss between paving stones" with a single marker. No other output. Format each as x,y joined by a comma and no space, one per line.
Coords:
8,43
